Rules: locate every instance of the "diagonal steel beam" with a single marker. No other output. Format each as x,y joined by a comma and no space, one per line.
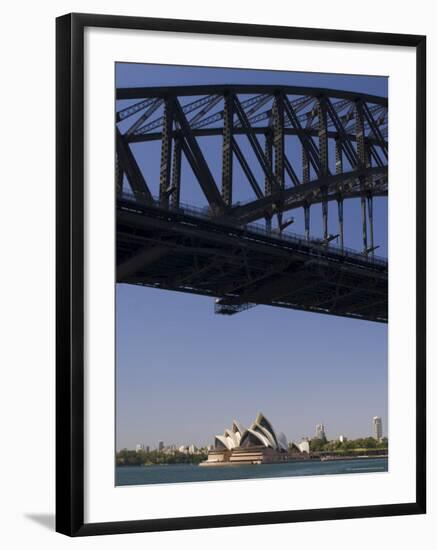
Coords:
375,128
254,210
129,166
123,114
198,162
251,112
246,169
305,139
199,116
220,114
253,140
188,108
155,105
374,154
290,171
344,141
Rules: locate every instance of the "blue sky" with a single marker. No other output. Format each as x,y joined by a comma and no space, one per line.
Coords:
183,373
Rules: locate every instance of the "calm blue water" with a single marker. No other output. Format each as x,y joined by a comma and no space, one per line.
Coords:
179,473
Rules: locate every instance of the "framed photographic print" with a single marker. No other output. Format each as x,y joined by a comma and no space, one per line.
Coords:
232,347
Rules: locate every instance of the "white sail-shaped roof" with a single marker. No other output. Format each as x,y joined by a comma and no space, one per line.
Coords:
260,429
282,441
238,428
252,437
262,421
234,437
221,442
231,437
260,433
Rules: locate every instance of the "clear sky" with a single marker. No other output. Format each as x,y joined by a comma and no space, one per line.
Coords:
183,373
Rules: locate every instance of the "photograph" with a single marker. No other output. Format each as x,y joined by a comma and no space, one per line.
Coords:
251,294
202,343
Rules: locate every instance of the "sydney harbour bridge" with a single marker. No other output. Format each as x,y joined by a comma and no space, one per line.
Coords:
284,149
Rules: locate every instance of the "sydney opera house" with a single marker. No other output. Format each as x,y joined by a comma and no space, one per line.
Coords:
259,444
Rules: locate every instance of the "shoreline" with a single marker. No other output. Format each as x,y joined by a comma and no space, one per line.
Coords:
291,461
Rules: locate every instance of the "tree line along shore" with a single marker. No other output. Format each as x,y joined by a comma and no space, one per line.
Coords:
319,448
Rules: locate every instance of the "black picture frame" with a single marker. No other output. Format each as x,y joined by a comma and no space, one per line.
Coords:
70,273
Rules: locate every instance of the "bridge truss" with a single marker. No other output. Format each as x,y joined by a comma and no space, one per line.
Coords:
302,146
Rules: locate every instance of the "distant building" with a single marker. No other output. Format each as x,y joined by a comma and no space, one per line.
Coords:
183,449
341,438
160,445
139,447
377,428
148,449
320,431
192,449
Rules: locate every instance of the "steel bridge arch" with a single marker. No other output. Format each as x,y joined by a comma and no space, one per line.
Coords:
355,125
296,147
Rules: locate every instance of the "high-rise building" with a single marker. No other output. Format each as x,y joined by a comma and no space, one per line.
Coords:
139,447
320,431
160,445
377,428
148,449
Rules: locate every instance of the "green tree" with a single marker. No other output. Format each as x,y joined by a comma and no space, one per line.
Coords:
317,444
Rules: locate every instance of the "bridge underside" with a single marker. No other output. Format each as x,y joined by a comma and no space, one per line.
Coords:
242,267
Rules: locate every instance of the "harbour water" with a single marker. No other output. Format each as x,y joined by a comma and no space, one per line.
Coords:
184,473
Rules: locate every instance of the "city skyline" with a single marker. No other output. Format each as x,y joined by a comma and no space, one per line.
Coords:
183,372
377,433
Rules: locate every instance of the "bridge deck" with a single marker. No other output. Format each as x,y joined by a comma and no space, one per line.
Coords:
184,251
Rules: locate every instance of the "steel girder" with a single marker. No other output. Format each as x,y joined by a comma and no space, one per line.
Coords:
140,93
